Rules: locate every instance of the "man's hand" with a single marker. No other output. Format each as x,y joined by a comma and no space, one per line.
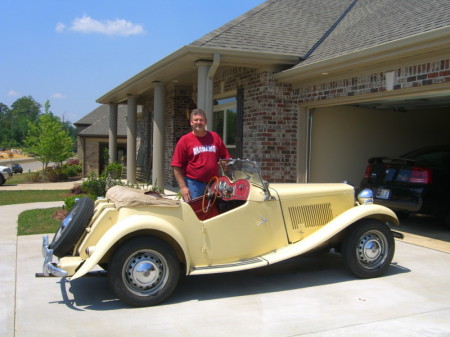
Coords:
185,194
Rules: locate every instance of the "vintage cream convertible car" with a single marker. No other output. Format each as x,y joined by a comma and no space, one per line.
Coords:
145,241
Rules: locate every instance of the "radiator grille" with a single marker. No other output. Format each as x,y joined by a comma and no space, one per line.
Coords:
310,215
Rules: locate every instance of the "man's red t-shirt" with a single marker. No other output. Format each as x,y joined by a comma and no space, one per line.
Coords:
198,156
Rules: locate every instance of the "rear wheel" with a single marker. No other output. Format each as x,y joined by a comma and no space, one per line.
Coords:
2,180
368,248
144,272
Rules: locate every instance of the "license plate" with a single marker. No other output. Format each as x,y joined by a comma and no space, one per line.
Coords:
383,193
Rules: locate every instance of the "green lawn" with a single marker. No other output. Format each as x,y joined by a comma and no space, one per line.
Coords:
24,197
38,221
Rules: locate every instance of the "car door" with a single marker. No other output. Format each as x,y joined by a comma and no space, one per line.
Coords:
248,231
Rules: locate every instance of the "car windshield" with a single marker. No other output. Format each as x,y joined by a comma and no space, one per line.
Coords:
236,169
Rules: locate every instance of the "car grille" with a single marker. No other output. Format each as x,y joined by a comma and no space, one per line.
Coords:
310,215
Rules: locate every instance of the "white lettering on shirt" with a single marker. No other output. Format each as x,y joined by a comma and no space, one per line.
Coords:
201,149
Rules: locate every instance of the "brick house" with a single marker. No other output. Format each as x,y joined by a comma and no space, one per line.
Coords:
93,135
307,88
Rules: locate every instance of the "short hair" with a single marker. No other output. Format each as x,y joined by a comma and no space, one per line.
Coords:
196,112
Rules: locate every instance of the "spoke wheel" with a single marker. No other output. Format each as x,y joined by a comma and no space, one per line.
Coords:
368,249
144,272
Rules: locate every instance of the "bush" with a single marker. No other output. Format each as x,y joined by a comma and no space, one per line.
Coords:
94,186
33,177
70,202
72,170
114,170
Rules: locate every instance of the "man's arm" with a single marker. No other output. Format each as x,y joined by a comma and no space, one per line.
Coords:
178,173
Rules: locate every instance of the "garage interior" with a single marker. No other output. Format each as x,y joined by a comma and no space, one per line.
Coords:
344,137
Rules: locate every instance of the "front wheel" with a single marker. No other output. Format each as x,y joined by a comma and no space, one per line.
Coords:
368,248
144,272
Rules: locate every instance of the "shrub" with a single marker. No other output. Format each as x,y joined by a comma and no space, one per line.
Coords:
70,202
114,170
33,177
94,186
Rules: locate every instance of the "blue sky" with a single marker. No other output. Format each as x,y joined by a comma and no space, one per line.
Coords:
71,52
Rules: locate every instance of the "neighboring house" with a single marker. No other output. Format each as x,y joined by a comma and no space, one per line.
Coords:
307,88
93,138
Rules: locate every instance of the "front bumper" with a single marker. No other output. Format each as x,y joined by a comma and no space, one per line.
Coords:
49,267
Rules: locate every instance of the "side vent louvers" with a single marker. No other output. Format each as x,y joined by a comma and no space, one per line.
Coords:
310,215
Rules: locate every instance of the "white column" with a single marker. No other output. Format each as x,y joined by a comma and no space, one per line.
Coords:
112,133
158,136
131,139
205,90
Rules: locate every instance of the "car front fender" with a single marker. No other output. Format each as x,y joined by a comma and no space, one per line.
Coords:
334,227
129,225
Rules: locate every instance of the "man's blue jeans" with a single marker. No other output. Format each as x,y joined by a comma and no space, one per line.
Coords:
196,188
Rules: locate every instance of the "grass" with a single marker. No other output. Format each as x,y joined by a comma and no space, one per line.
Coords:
24,197
38,221
17,179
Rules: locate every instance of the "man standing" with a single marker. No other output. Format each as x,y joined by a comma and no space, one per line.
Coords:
196,156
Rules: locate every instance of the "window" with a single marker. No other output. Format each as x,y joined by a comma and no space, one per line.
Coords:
225,113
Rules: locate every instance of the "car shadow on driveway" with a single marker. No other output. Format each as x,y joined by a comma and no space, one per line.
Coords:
305,272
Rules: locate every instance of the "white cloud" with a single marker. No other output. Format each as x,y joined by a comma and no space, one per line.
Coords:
13,93
60,27
88,25
57,95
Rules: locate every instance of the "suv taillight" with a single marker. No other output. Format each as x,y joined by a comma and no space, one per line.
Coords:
368,171
420,176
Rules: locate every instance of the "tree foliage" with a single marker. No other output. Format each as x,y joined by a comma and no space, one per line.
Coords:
48,140
15,121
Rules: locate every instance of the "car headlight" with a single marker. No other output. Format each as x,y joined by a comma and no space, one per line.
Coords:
365,197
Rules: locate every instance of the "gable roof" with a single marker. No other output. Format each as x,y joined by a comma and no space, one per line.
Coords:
288,27
99,122
371,23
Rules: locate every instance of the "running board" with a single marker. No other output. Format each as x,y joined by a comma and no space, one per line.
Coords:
230,267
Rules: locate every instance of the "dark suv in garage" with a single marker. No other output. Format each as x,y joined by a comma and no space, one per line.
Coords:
416,182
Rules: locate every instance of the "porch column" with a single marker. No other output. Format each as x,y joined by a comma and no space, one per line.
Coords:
158,136
131,139
205,91
112,132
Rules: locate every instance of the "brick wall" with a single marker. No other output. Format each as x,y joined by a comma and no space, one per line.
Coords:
270,121
409,76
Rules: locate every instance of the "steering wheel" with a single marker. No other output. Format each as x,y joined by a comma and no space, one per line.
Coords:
211,191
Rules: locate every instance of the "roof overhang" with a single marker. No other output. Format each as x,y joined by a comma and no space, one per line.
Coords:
414,47
180,68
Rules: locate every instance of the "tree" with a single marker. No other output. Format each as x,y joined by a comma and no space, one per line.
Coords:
23,110
48,140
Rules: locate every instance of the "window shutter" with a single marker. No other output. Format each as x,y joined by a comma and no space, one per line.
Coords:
240,122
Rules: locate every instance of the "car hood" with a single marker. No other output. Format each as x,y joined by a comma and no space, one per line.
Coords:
287,191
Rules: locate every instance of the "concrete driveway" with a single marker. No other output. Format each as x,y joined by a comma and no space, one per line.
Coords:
308,296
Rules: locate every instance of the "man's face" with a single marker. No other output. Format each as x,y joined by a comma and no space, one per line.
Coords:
198,123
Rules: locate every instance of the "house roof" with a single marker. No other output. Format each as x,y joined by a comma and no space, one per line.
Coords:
371,23
99,122
283,32
289,27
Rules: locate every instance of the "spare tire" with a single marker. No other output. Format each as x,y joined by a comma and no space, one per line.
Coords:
72,227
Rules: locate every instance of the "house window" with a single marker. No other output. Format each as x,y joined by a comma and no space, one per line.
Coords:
225,113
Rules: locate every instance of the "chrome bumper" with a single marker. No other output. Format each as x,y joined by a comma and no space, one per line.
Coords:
49,267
